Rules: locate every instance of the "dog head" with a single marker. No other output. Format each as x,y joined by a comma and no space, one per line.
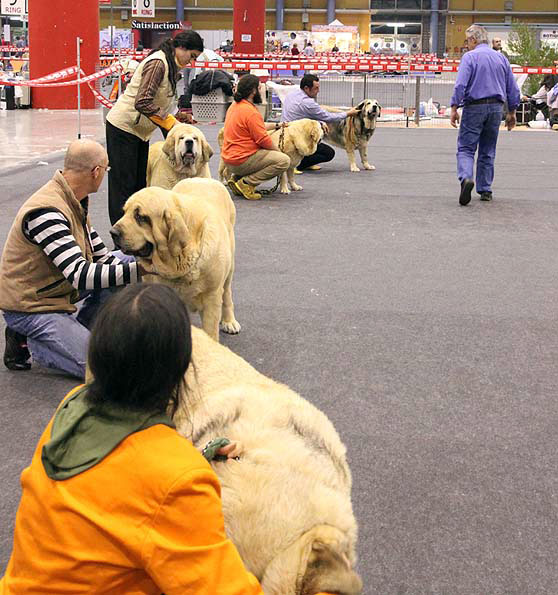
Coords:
306,134
186,149
152,228
370,110
319,561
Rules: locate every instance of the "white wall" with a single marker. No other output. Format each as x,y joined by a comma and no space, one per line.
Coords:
212,38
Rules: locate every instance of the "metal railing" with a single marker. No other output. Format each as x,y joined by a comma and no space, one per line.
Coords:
406,99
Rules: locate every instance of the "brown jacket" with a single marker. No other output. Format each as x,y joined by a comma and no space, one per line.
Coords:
29,281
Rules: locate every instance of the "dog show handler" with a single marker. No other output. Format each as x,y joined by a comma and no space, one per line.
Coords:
248,150
52,259
144,106
484,83
115,501
302,104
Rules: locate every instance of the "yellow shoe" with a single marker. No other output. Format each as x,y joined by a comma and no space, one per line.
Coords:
246,190
554,126
232,185
298,171
315,168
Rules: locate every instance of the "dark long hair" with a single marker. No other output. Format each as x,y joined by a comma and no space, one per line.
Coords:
245,86
139,350
188,40
549,81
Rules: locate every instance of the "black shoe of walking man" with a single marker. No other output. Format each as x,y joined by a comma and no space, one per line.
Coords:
466,188
486,196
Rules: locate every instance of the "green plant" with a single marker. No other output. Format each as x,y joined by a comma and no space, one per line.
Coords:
526,51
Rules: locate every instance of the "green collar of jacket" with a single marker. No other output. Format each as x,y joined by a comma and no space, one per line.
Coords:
83,435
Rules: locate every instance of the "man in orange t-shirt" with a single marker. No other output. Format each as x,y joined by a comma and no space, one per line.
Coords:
248,151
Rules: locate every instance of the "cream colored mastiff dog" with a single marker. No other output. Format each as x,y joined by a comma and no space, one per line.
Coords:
184,154
287,500
186,236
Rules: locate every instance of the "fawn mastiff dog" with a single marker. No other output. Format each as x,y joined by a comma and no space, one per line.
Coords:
287,499
186,236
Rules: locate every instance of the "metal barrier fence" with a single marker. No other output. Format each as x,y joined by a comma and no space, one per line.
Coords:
407,100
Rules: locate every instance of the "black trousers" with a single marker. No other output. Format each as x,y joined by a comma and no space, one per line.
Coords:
323,154
127,155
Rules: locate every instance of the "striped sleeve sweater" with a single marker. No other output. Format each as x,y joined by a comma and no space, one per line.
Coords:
50,230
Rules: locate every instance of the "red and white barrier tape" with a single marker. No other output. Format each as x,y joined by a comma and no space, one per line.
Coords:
358,67
45,81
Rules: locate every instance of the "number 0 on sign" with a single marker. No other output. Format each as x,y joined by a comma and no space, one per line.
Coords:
142,8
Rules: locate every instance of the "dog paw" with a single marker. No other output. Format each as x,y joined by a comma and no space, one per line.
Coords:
296,187
232,327
368,166
285,191
354,168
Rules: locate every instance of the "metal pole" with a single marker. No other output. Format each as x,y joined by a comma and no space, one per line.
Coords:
119,74
417,99
111,25
280,15
434,26
78,42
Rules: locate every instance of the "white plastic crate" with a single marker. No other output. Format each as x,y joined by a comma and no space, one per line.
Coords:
210,107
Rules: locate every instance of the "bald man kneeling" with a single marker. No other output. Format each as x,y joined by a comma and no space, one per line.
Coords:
54,259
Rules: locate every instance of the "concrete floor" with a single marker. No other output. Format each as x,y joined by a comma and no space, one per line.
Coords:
427,332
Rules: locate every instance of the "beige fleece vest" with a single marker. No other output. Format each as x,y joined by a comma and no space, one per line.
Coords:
29,281
124,114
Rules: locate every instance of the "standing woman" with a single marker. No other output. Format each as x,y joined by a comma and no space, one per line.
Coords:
143,107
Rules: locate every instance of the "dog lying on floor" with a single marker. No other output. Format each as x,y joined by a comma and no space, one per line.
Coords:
184,154
299,139
354,132
187,236
287,500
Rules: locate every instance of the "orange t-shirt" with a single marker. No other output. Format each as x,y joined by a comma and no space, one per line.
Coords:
244,134
145,520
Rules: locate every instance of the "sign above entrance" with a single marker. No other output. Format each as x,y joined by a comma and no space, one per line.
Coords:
143,8
168,26
13,8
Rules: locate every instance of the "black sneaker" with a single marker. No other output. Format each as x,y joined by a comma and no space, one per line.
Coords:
16,354
486,196
466,189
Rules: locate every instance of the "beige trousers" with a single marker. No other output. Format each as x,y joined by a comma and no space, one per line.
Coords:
261,166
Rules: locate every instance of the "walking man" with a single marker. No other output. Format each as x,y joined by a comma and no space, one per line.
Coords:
484,83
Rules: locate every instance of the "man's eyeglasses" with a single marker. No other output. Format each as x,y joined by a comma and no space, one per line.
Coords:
106,167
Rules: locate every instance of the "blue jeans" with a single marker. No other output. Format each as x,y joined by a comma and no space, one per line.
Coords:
60,340
480,125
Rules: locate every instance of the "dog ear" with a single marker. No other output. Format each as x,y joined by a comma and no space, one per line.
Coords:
169,148
329,570
207,151
177,233
361,105
170,234
316,135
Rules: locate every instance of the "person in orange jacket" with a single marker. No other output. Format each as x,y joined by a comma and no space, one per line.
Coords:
115,500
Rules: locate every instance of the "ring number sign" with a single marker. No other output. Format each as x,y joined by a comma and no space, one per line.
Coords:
13,7
143,8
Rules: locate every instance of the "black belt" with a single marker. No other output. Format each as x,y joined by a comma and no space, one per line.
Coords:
486,100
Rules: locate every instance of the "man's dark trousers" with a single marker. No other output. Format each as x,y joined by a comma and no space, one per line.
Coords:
323,154
480,124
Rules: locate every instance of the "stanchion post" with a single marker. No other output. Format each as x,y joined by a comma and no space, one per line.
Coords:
118,73
78,44
417,99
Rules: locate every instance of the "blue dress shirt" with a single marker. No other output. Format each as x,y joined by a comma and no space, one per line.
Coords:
485,73
298,105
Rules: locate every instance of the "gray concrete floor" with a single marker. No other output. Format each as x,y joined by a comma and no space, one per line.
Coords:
426,331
